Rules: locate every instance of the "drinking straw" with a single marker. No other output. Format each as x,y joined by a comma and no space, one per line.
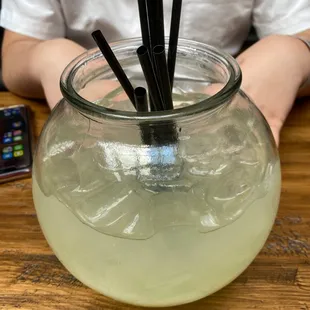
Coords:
144,23
165,133
163,76
114,64
140,99
141,104
155,12
145,31
151,80
173,39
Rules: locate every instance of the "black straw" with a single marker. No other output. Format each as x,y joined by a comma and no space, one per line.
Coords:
145,31
173,39
155,11
155,14
144,23
147,67
141,99
163,76
141,104
114,64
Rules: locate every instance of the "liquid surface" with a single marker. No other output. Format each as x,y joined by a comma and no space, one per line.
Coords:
177,265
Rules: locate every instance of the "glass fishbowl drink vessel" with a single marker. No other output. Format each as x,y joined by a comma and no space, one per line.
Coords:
156,208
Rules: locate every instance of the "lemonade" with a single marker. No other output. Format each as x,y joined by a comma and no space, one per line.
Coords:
159,209
178,264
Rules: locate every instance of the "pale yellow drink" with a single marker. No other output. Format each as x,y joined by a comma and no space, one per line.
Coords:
175,266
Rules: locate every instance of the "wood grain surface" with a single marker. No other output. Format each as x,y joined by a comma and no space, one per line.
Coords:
31,277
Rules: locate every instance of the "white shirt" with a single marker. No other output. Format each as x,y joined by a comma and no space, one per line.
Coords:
222,23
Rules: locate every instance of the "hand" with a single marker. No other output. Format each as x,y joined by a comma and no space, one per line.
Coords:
52,57
273,71
36,73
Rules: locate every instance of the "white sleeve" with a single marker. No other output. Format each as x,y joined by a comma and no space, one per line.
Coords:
281,16
41,19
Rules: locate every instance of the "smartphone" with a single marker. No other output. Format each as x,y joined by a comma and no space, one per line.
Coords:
15,143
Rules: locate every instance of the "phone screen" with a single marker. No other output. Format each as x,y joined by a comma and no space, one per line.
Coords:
15,140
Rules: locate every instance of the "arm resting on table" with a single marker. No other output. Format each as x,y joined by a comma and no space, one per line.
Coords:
273,70
32,68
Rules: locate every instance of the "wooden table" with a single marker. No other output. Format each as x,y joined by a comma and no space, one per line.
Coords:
31,277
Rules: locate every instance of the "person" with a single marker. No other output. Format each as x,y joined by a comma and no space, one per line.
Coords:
43,36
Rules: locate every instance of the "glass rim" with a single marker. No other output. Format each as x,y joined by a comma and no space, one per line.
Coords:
231,87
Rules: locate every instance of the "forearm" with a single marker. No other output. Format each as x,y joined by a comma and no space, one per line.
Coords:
273,71
17,68
54,56
304,91
33,68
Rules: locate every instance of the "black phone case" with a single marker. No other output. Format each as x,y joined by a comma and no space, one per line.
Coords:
21,173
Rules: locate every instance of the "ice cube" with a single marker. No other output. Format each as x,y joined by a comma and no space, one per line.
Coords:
117,209
91,173
173,208
55,170
232,193
59,176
